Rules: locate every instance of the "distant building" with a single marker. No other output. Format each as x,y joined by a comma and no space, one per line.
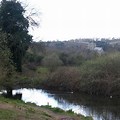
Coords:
91,45
99,50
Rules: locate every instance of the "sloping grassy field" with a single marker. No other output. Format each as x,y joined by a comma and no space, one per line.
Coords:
18,110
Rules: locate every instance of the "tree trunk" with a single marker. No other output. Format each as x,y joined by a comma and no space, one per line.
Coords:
9,93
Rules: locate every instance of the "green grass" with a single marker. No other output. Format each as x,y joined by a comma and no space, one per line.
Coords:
57,110
54,109
42,70
7,114
12,101
45,114
17,109
68,112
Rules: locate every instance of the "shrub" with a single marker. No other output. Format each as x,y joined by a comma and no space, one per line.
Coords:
64,78
52,61
98,76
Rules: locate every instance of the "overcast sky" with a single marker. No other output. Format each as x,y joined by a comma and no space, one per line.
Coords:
70,19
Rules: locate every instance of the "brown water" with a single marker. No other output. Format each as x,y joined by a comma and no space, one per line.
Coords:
99,108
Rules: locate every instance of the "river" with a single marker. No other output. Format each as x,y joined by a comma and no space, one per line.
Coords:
100,108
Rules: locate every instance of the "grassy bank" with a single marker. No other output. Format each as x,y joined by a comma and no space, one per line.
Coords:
18,110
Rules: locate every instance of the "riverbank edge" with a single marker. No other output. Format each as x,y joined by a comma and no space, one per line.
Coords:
16,109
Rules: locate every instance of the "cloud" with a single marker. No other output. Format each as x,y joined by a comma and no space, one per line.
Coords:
67,19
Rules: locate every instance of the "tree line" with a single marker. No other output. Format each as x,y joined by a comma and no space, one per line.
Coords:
59,65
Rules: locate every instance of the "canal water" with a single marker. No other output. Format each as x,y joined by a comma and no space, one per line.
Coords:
100,108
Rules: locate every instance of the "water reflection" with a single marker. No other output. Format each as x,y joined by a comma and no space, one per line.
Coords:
98,108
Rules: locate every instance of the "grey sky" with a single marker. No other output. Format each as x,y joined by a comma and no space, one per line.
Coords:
69,19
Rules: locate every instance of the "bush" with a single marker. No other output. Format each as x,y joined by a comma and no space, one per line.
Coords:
32,58
52,62
98,76
64,78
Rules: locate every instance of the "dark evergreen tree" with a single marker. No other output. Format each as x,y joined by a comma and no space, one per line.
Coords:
7,70
15,25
